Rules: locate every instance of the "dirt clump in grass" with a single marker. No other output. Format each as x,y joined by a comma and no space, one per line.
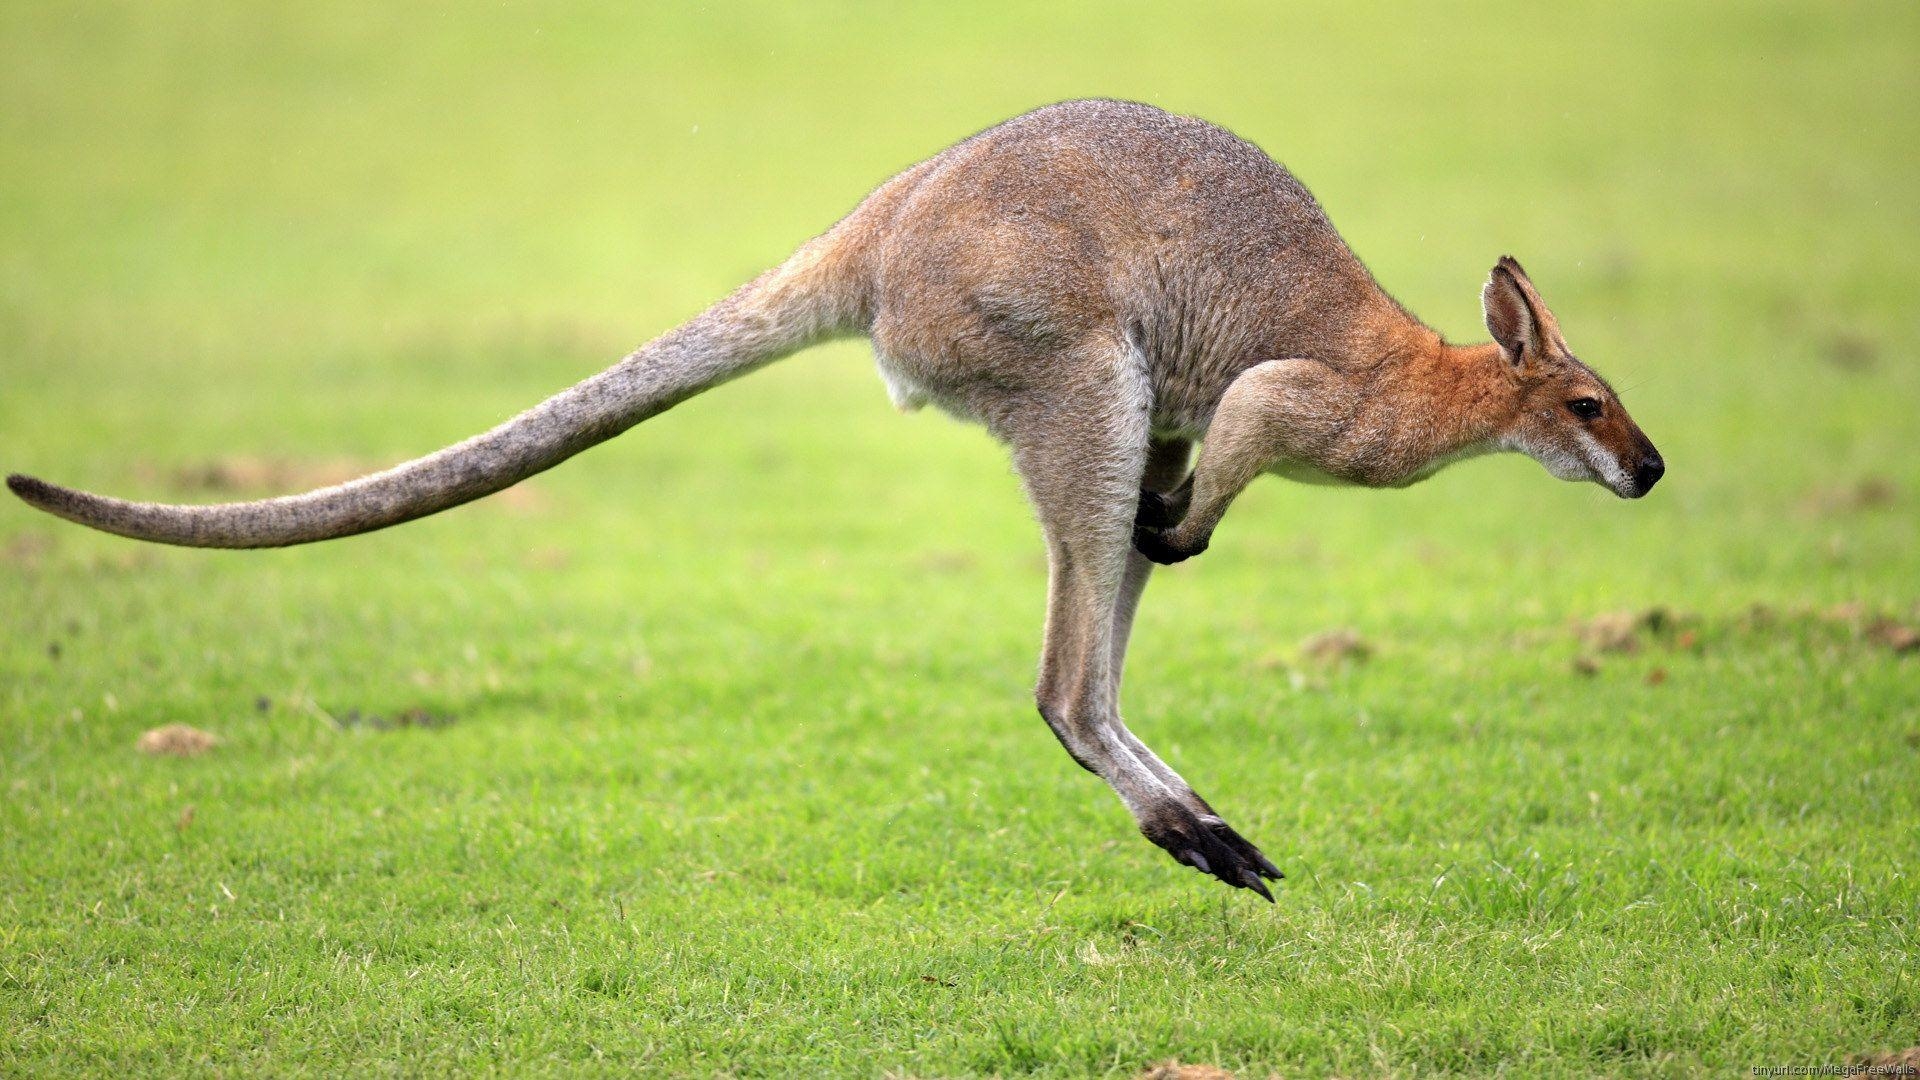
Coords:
1894,1063
1855,353
1614,632
1897,636
177,740
1336,646
1173,1070
1628,631
1874,627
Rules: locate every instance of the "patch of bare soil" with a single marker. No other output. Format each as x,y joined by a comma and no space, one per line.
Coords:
1897,636
1896,1063
1173,1070
1336,646
1617,631
1853,352
1874,627
177,740
1627,631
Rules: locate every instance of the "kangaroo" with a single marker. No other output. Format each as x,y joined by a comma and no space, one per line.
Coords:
1102,285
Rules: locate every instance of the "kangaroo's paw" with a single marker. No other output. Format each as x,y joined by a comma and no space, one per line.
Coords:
1155,511
1156,544
1210,846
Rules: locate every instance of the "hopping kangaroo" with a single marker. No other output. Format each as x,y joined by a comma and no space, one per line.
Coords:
1102,285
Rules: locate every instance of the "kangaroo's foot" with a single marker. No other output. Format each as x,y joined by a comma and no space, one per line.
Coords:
1209,845
1160,545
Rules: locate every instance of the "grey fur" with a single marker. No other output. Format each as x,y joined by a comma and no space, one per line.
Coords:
1101,284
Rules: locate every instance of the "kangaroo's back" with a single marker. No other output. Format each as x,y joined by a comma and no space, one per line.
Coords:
1086,215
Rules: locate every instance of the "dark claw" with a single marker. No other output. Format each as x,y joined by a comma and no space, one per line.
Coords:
1251,880
1245,849
1242,847
1210,846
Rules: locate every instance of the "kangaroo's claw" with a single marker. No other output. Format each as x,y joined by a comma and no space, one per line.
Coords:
1243,847
1210,846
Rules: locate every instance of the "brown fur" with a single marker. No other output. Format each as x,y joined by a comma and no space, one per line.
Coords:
1101,284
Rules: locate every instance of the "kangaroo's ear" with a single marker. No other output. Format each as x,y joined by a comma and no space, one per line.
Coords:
1518,319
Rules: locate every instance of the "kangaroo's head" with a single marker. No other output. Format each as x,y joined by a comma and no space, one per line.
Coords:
1566,417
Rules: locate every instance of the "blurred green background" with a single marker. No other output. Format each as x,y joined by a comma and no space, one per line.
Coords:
742,773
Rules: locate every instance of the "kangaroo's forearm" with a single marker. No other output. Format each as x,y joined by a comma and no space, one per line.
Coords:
1270,411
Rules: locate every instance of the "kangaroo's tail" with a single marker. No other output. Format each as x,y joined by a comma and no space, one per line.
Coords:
800,302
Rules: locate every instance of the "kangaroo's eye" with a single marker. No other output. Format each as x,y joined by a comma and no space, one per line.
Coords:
1585,408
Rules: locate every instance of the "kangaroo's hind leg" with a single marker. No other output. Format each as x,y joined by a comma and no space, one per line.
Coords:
1082,458
1164,474
1164,487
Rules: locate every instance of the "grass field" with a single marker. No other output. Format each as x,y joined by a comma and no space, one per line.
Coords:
713,752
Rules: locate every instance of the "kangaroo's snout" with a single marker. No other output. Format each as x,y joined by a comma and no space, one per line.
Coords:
1648,473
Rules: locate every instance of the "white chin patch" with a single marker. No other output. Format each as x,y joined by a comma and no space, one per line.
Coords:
1588,460
1560,463
1603,467
1564,467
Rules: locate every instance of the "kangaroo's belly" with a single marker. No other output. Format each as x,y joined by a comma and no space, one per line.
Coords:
1384,472
912,387
1301,472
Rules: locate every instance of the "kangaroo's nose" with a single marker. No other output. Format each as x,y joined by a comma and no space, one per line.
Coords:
1649,472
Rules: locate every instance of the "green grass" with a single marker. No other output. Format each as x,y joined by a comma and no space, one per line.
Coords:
743,774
